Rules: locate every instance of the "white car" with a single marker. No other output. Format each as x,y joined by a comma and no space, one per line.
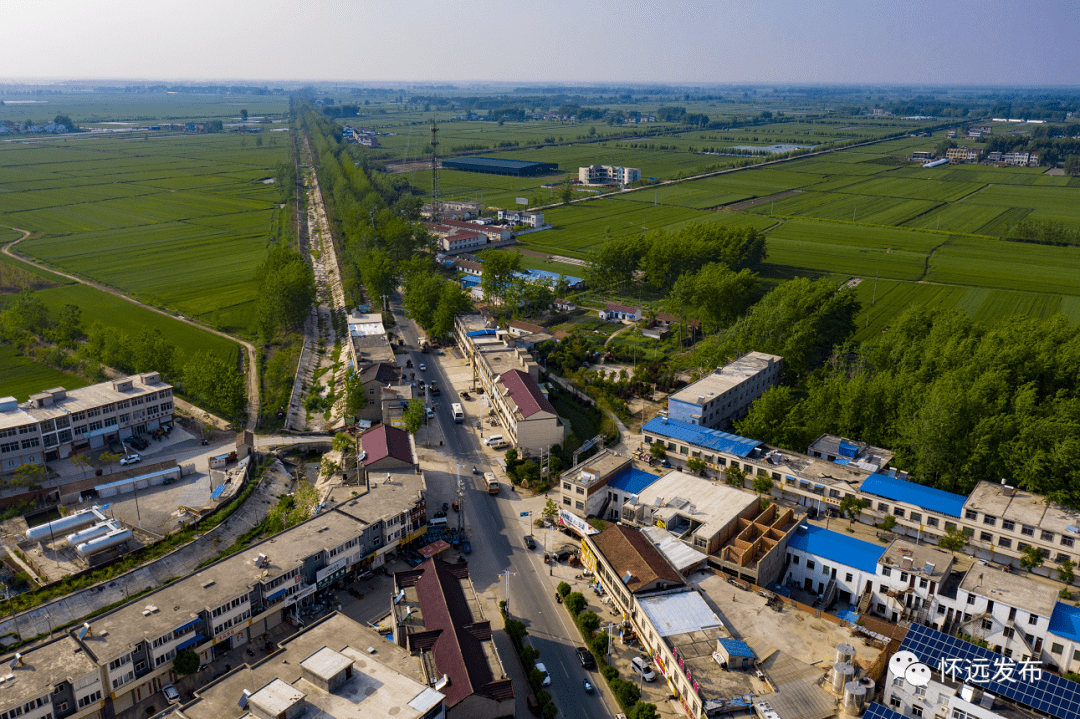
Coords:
423,367
641,666
131,459
430,413
170,693
543,670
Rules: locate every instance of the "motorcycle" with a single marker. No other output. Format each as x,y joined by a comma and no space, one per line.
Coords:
475,470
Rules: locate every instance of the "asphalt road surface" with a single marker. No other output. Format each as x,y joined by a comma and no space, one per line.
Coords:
497,536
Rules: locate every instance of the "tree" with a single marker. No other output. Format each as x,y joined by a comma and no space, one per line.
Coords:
853,507
888,523
598,645
657,451
215,385
723,294
414,415
735,476
643,710
613,265
1065,571
185,662
286,290
763,485
563,589
511,457
355,397
575,602
567,193
498,271
1032,558
244,115
328,467
110,458
82,461
588,623
953,540
550,511
696,465
550,711
516,630
627,693
683,299
31,475
68,328
453,301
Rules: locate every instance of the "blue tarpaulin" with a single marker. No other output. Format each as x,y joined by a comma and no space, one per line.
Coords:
218,490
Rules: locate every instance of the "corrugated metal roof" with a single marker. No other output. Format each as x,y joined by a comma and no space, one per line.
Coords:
702,436
526,395
837,547
735,648
632,480
901,490
680,613
1065,621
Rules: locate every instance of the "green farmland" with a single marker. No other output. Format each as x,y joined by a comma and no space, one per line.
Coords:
175,221
21,376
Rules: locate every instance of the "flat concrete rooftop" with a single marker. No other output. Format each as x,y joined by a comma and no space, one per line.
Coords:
42,668
1024,591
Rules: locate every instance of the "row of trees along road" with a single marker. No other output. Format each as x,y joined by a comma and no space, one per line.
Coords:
377,215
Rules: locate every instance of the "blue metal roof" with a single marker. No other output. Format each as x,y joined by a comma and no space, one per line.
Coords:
842,460
550,277
848,450
189,642
1046,693
735,648
701,436
1065,621
837,547
480,333
901,490
632,480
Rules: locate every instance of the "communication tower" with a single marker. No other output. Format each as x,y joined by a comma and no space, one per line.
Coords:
436,204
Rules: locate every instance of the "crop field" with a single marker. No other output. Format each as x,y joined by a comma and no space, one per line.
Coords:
114,109
176,221
21,376
581,227
1007,265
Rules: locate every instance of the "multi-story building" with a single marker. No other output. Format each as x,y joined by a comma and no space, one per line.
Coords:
437,617
608,175
726,394
328,669
56,423
999,521
598,486
833,566
453,240
55,679
520,217
374,378
508,375
959,155
1020,159
494,233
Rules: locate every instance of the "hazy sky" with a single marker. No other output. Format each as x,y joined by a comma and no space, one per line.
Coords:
985,42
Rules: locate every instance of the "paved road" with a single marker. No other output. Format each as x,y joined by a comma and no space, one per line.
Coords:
497,536
252,374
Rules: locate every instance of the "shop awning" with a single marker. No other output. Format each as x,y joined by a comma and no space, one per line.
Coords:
190,642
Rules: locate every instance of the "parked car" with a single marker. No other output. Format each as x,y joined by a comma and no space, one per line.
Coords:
170,693
546,682
131,459
530,542
430,413
586,658
641,666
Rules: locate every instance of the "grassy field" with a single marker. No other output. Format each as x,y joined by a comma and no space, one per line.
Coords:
21,376
116,109
175,221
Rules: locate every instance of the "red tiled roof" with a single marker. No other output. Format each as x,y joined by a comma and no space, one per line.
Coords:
526,395
457,650
526,326
561,334
622,308
628,550
386,441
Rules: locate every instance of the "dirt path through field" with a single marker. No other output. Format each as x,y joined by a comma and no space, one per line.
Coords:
252,374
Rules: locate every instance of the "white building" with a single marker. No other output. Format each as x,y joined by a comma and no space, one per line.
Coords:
726,394
608,175
55,423
520,217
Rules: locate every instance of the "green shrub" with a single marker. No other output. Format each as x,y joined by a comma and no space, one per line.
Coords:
587,622
609,673
575,602
564,589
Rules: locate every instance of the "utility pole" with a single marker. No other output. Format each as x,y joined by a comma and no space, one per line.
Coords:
506,591
436,207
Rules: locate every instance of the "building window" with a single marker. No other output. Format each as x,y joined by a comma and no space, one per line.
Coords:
987,624
1012,614
1008,525
989,520
848,578
566,485
810,564
898,513
920,691
1046,536
904,577
1061,558
580,490
886,572
971,599
1066,541
916,710
915,517
950,526
1056,648
684,450
923,583
1004,542
1033,619
795,559
1027,530
824,569
894,701
881,609
883,588
898,681
566,501
971,514
1008,632
986,537
579,505
882,507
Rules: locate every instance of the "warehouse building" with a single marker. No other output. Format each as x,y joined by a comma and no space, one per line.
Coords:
499,166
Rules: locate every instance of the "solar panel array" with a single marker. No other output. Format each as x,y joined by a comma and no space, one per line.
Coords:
880,711
1050,694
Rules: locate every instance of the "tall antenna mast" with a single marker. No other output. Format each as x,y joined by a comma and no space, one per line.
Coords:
436,205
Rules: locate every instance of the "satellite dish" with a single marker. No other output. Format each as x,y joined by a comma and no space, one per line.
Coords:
244,699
